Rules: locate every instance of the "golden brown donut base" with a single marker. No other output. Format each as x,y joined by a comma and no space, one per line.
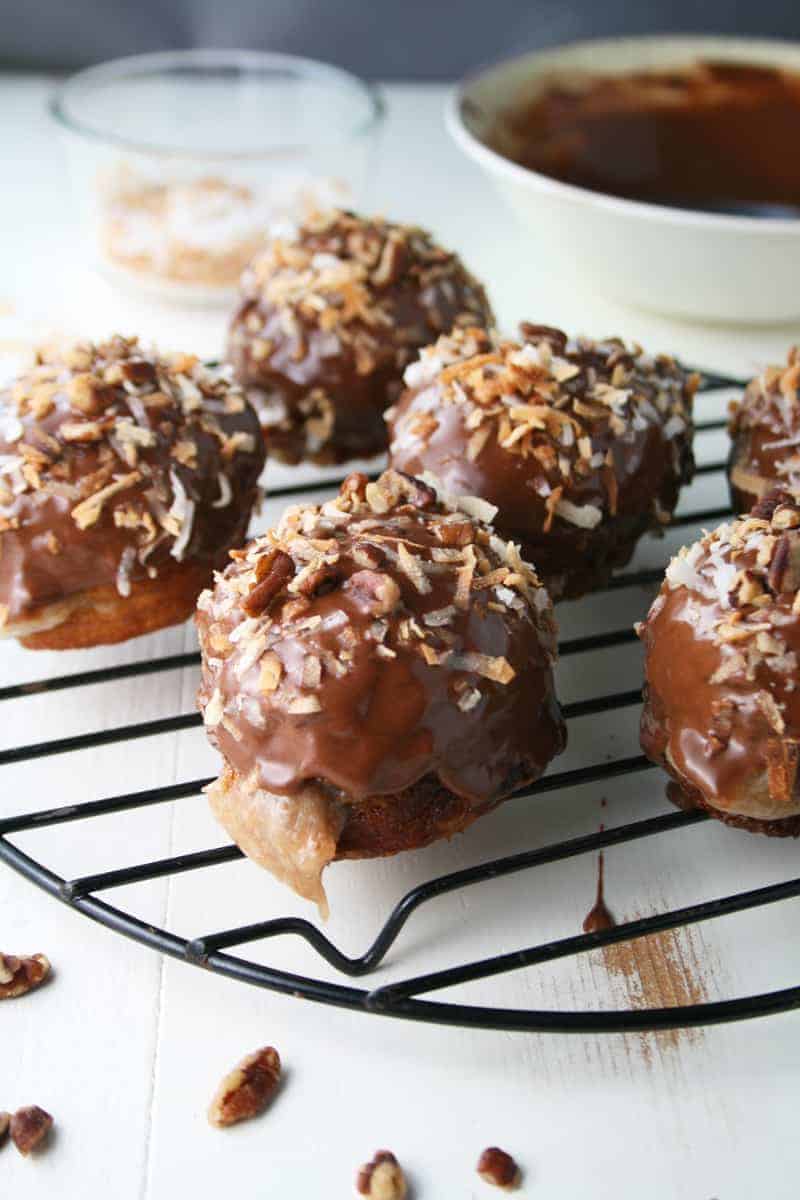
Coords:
407,820
689,798
102,616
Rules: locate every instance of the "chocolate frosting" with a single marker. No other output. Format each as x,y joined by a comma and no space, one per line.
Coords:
765,429
722,711
378,639
118,465
580,445
707,135
330,317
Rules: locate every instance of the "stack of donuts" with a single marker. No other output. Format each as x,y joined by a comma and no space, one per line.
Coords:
378,668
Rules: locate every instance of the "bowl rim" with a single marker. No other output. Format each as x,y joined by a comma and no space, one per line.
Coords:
497,163
133,65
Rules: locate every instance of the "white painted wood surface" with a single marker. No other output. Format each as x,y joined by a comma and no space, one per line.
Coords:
125,1049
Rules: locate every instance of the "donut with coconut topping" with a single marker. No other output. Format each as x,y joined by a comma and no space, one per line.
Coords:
581,446
331,314
125,478
377,673
722,639
765,433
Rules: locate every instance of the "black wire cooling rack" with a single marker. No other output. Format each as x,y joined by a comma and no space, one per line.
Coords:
399,999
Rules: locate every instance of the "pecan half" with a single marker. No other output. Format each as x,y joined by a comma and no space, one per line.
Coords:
498,1168
382,1179
273,572
21,975
29,1127
247,1090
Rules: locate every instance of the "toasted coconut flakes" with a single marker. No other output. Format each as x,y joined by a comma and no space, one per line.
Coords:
766,703
304,704
81,431
88,511
410,566
586,516
127,559
212,714
730,667
270,672
139,435
497,668
439,616
464,579
385,652
11,428
475,507
10,463
182,512
477,441
225,491
468,699
312,671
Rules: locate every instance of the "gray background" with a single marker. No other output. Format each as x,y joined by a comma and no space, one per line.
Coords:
401,39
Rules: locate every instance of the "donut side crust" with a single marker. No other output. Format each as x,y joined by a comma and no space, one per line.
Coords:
100,616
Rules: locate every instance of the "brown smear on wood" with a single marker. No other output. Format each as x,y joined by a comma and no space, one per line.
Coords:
663,970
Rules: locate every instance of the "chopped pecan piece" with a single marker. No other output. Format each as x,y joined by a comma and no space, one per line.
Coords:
5,1122
247,1090
382,1179
544,333
323,579
375,591
21,975
784,568
273,572
29,1127
354,486
498,1168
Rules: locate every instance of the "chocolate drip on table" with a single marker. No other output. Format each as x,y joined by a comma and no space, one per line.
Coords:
599,918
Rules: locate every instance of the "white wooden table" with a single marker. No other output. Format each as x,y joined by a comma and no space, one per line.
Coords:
126,1048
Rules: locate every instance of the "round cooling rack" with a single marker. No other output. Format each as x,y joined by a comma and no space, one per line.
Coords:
400,999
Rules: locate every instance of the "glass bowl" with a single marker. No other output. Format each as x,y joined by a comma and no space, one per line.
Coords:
183,162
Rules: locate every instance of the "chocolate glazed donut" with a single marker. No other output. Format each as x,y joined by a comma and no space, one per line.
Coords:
125,478
377,673
765,433
581,446
330,316
722,709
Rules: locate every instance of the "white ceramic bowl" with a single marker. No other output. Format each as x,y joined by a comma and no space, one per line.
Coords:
688,264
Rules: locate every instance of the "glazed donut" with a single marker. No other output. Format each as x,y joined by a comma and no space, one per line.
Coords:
377,673
330,316
722,711
125,478
581,446
765,433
